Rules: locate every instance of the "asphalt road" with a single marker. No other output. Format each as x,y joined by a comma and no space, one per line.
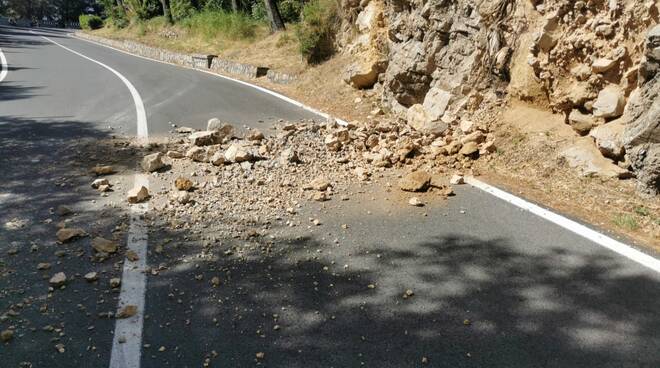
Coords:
494,286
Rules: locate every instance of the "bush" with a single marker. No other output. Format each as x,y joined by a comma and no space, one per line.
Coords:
181,9
214,23
316,31
90,22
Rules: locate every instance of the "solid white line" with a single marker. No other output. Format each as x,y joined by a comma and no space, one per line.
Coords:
127,339
3,65
570,225
141,115
259,88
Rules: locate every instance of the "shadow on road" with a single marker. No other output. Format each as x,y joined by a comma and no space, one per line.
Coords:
476,303
45,163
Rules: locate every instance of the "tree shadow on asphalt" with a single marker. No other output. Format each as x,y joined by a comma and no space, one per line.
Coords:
45,163
476,303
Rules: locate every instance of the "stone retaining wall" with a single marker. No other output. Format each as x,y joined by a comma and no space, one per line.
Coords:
193,60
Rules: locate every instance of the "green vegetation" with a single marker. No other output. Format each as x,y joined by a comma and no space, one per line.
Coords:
90,22
317,29
626,221
642,211
214,23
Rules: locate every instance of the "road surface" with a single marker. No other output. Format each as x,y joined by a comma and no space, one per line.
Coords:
494,286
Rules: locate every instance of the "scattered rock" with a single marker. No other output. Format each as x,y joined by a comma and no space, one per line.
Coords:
103,170
115,282
416,181
469,149
174,154
255,135
456,179
602,65
127,311
414,201
67,234
420,120
182,183
319,183
236,153
138,194
58,279
205,138
288,156
102,245
216,125
6,335
43,266
182,197
153,162
100,182
91,276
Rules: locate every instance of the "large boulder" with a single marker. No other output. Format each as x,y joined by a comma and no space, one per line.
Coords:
581,123
420,120
609,140
436,102
610,102
587,159
216,125
153,162
363,74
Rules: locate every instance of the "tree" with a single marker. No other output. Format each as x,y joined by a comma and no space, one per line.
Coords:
276,23
166,11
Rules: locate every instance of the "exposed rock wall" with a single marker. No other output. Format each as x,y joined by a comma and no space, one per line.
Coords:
439,61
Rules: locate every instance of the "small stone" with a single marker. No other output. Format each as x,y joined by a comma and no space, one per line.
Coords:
217,125
215,281
102,245
320,197
416,181
332,143
174,154
408,293
43,266
67,234
182,183
153,162
260,355
319,184
469,149
132,256
218,158
197,154
236,153
63,210
414,201
205,138
115,282
127,311
103,170
581,123
602,65
91,276
456,179
288,156
60,348
138,194
99,182
6,335
58,279
255,135
182,197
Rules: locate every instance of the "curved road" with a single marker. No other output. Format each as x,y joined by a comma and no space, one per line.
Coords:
494,286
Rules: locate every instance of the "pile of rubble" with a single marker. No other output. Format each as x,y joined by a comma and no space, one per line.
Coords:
252,177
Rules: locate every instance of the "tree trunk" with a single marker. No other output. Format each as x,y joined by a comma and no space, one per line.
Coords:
166,11
234,5
276,22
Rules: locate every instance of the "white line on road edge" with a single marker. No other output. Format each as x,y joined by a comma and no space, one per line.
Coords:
142,132
570,225
127,340
3,65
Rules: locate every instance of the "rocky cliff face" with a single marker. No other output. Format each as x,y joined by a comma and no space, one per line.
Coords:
434,63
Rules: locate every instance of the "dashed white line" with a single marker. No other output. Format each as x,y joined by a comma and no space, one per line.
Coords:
127,340
570,225
3,65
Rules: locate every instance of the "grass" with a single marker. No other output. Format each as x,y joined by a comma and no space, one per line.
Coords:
219,23
642,211
626,221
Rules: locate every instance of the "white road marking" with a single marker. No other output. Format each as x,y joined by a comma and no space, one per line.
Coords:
142,131
259,88
570,225
127,340
3,65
